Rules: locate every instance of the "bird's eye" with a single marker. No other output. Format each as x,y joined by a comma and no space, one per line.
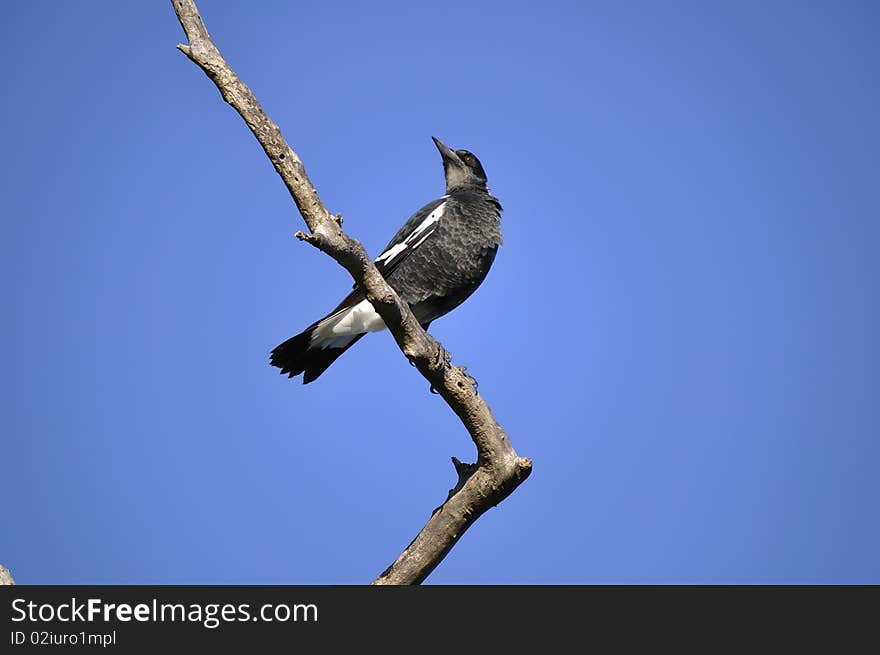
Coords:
469,159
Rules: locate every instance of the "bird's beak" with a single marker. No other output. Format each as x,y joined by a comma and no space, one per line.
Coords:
446,152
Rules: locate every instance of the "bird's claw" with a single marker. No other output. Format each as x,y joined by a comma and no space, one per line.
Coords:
470,378
442,356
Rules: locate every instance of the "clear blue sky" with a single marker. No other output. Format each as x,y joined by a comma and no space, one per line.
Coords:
680,329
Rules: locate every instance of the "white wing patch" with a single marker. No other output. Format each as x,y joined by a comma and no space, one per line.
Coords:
339,330
392,252
416,237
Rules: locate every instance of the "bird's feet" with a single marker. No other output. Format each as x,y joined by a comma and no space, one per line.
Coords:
472,380
441,357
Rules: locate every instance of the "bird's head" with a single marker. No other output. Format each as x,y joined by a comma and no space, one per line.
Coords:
463,169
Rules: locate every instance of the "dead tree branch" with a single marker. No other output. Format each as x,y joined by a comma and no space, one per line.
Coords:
498,470
5,576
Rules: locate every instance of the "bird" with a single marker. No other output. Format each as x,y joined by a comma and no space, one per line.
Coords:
434,263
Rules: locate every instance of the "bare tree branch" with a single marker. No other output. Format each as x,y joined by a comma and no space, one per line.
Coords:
498,470
5,576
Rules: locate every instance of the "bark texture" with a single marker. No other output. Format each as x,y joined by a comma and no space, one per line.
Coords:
498,469
5,576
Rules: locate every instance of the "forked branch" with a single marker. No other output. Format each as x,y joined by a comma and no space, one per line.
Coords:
498,470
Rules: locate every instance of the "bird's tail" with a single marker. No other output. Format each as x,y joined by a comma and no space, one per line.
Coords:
313,350
300,354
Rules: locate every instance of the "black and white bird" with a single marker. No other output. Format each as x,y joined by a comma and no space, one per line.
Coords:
434,262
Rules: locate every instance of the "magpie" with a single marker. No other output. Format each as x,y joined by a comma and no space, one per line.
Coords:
434,263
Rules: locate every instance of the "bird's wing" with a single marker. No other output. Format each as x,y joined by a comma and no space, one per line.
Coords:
413,234
419,227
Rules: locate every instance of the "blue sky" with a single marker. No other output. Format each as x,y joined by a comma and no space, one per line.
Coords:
680,329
